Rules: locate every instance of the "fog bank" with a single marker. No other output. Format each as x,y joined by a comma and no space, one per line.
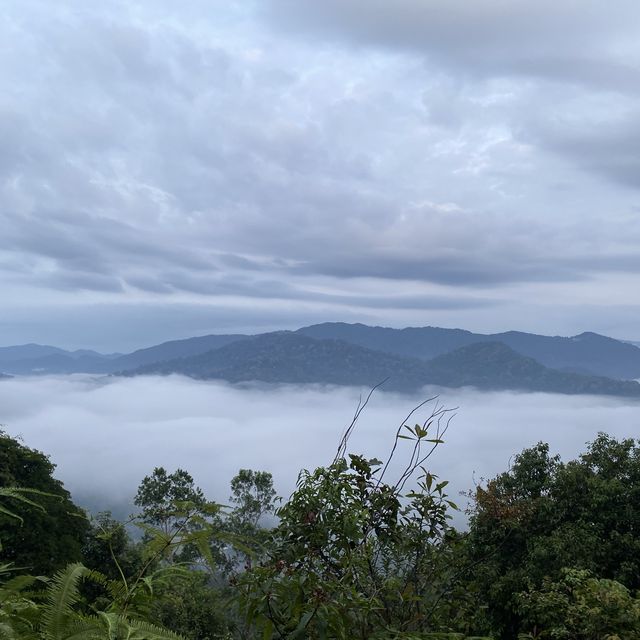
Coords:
106,434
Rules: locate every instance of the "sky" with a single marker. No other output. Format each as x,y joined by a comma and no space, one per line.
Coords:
175,169
105,435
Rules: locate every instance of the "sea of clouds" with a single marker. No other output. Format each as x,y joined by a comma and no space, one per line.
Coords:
106,434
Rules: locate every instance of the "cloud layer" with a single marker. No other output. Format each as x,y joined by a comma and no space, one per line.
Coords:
105,435
385,160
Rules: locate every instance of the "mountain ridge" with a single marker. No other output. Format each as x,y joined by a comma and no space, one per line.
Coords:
586,354
293,358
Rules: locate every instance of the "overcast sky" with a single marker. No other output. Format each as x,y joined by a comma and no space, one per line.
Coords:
178,168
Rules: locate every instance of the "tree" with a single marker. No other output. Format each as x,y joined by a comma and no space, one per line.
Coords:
580,607
544,516
162,497
107,541
49,534
253,494
355,554
189,605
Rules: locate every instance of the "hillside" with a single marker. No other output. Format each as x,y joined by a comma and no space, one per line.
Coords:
30,359
286,357
172,350
588,352
493,365
33,359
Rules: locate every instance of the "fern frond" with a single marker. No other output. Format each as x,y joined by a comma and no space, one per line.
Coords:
18,584
6,632
20,494
62,594
87,628
117,590
141,630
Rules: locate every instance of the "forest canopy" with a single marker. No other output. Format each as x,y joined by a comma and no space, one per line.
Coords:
357,551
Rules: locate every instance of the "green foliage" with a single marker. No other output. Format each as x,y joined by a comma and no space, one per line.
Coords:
109,549
362,549
188,604
61,620
19,613
19,495
355,556
56,527
543,515
580,607
253,495
160,494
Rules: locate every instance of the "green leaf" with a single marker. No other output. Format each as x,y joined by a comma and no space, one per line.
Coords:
300,630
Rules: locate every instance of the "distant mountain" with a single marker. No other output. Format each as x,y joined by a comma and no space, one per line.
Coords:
64,362
587,353
173,349
494,365
413,342
28,351
287,357
34,359
29,359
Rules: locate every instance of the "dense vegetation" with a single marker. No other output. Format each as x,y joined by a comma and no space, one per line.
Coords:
291,357
362,549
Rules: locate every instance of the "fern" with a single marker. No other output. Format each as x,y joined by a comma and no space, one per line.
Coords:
142,630
20,494
62,595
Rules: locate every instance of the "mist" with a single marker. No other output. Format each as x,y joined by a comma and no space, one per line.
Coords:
106,434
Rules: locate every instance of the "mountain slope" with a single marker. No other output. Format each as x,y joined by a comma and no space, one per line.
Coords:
28,351
287,357
586,353
493,365
172,350
29,359
58,363
413,342
33,359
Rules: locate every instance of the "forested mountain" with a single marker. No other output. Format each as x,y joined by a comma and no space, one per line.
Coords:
286,357
29,359
585,353
339,353
58,363
173,349
40,359
28,351
493,365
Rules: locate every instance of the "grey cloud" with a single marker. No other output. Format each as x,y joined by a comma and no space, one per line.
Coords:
487,36
159,152
607,148
540,46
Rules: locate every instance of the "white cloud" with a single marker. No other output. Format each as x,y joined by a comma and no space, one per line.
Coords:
105,435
